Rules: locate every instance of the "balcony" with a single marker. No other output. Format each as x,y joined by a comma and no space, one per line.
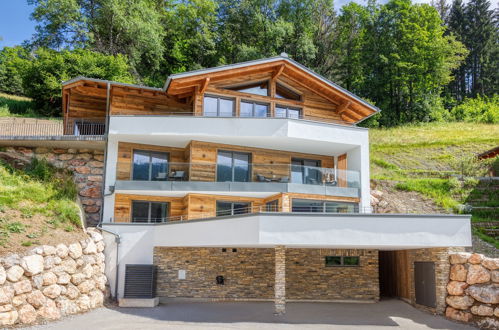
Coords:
47,129
261,178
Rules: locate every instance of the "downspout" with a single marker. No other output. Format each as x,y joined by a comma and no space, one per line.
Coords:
117,240
106,139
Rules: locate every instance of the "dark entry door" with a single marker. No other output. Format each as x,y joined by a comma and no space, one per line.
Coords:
424,282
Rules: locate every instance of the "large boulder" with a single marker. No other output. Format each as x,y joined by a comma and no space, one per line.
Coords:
61,250
63,278
69,265
3,275
49,278
475,259
36,298
15,273
477,274
482,310
488,323
491,263
27,314
90,247
494,276
487,294
75,250
458,273
22,287
458,315
32,264
6,294
48,250
52,291
72,291
67,306
459,302
456,288
49,311
459,258
8,318
86,286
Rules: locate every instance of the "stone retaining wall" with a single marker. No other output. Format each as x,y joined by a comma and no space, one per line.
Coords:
52,281
473,290
87,166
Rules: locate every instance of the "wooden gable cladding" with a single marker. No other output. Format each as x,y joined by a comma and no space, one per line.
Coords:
125,157
135,101
84,100
320,99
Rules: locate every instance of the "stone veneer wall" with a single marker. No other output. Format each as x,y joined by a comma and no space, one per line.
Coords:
307,277
50,282
87,166
440,257
250,274
473,290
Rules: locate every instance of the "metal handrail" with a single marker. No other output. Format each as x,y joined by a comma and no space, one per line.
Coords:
10,127
255,210
265,173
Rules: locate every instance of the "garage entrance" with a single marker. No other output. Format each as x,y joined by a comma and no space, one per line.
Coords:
394,274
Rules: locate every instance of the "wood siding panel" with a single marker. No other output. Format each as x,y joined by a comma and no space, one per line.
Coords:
123,205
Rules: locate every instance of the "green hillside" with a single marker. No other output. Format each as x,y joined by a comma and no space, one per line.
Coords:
37,203
438,160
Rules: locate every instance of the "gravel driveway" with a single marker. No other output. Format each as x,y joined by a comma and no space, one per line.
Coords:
388,314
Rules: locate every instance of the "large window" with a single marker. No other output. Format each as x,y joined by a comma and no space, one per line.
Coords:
233,166
272,206
254,109
149,212
283,92
150,165
305,171
287,112
218,106
232,208
259,88
313,206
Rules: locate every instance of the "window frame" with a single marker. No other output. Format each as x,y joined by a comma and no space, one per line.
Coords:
232,203
149,207
237,88
342,261
219,97
250,167
287,108
288,90
253,108
149,173
324,204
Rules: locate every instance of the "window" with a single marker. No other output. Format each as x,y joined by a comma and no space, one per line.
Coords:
150,165
306,171
232,208
314,206
272,206
337,261
259,88
283,92
218,107
287,112
254,109
233,166
149,212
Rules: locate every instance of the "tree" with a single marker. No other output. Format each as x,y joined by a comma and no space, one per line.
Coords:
47,68
13,62
442,8
482,42
112,27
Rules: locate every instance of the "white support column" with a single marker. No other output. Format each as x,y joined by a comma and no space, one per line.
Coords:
280,280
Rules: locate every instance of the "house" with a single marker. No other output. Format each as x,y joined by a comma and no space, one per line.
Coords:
251,182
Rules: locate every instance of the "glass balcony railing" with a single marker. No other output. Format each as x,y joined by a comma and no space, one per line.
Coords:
242,172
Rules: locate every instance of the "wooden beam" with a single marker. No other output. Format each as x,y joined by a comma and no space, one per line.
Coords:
343,107
278,72
204,85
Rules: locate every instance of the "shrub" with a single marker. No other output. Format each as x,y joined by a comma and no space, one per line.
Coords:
481,109
40,169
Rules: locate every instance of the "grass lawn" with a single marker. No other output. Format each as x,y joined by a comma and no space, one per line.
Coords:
18,106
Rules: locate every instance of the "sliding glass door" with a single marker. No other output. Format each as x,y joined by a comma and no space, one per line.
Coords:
305,171
233,166
150,165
